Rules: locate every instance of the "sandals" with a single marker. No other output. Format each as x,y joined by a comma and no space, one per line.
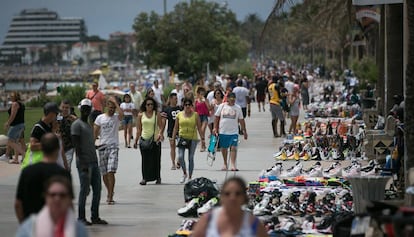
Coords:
234,169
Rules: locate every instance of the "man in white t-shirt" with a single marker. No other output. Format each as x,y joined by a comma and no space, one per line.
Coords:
289,84
107,127
180,94
158,93
242,97
228,118
136,98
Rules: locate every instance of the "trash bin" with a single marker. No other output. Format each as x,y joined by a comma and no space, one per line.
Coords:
370,188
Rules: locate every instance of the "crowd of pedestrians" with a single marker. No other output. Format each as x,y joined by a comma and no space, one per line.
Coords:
189,116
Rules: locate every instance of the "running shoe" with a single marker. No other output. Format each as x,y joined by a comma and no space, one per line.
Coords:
208,206
190,209
314,171
294,171
276,170
334,170
352,171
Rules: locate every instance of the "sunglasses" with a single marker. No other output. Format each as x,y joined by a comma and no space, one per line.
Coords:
187,104
151,104
61,195
237,194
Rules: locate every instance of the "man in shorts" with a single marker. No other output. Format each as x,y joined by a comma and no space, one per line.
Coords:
275,108
228,117
169,114
107,127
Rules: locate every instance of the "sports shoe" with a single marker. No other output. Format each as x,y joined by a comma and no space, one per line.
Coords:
325,226
208,206
309,226
352,170
85,222
276,170
190,209
99,221
288,224
185,228
314,171
334,170
370,169
262,207
4,157
183,178
294,171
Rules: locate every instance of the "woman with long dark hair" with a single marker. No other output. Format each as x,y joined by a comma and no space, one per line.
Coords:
150,130
187,123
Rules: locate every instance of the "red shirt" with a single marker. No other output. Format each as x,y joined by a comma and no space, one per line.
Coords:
97,98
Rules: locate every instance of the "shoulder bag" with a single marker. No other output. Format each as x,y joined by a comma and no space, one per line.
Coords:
32,157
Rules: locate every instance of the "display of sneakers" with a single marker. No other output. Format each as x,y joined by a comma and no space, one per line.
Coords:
208,206
293,171
334,170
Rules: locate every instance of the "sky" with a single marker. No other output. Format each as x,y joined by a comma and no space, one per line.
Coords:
103,17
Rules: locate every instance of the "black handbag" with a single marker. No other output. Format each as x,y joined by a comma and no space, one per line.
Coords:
183,143
149,143
146,144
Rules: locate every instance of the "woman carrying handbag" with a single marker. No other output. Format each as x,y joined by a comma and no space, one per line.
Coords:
150,131
186,125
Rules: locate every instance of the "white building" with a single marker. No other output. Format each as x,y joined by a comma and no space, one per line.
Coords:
38,28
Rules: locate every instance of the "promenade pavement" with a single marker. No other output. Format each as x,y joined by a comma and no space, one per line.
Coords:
151,210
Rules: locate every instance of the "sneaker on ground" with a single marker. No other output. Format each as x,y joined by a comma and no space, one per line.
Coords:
183,178
99,221
208,206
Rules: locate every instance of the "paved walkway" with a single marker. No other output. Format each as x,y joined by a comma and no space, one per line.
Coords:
151,210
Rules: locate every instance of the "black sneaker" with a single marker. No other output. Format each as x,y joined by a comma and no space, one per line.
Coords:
85,222
99,221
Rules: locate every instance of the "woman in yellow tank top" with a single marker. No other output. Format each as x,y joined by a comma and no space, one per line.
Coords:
150,124
187,124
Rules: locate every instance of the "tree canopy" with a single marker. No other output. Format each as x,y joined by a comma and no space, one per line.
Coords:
189,37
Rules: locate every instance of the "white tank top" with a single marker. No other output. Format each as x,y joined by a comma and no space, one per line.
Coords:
247,229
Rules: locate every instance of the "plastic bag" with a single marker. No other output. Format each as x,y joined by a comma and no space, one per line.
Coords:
200,186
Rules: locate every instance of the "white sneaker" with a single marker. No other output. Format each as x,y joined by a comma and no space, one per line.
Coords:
4,157
208,206
183,178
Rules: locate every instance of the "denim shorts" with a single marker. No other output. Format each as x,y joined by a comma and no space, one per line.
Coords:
203,118
127,119
226,141
15,132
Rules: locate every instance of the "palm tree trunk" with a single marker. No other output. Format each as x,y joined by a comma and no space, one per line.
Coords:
380,90
409,95
394,46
